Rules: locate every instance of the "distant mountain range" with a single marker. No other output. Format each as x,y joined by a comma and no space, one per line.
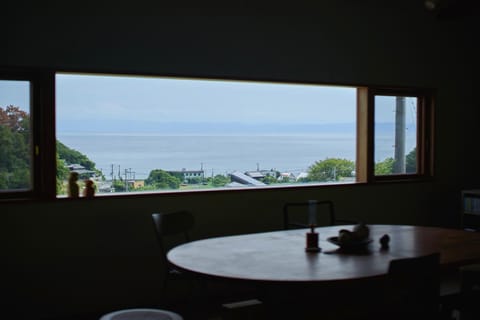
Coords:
126,126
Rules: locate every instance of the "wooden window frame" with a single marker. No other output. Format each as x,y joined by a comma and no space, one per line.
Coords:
44,134
42,126
366,133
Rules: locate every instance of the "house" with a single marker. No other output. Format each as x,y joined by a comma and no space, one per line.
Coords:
245,179
302,175
288,176
84,173
188,175
255,175
136,184
77,259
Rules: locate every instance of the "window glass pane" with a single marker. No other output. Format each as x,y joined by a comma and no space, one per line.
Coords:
395,135
149,133
15,136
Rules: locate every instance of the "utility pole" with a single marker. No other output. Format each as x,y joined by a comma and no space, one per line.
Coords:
126,181
400,121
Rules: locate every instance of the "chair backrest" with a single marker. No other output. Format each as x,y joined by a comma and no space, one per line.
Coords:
413,286
299,214
172,228
469,295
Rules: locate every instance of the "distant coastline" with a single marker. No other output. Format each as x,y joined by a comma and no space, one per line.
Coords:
216,154
142,152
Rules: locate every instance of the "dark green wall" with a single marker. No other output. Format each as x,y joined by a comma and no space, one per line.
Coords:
70,257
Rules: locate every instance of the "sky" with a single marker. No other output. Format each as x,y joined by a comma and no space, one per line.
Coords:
15,93
144,102
99,103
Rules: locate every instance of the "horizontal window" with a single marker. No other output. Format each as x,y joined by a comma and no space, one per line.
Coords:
132,134
141,134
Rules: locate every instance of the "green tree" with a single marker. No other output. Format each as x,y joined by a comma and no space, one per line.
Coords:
331,169
411,161
220,180
384,167
72,156
118,185
162,180
270,179
15,154
62,175
194,180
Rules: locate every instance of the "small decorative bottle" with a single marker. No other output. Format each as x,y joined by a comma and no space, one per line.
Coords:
312,240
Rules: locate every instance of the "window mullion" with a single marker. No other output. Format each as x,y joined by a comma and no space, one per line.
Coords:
44,135
364,170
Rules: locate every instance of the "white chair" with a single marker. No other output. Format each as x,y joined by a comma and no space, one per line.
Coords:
142,314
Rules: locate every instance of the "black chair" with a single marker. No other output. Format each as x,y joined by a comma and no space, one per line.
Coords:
171,229
297,214
204,298
413,288
469,292
462,303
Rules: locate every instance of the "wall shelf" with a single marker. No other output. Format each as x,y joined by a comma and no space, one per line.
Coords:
471,209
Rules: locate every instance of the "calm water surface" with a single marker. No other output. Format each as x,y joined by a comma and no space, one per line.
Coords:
216,154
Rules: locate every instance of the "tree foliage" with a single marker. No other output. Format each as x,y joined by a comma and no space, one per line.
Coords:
386,166
14,118
72,156
220,180
162,180
15,151
331,169
270,179
411,161
62,175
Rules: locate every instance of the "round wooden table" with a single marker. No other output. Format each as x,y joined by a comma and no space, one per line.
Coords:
280,256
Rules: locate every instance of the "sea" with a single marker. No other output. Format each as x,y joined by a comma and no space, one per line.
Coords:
140,153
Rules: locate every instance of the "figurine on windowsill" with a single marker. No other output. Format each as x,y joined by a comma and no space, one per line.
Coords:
73,190
89,190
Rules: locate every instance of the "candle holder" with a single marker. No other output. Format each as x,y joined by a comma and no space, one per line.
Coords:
312,240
